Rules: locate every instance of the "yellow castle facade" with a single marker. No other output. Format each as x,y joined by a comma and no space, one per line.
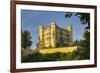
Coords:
55,36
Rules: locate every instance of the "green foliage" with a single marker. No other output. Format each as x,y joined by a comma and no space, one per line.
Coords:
68,14
84,46
85,19
38,57
85,43
25,39
76,43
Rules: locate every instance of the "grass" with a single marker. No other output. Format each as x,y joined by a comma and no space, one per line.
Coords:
45,55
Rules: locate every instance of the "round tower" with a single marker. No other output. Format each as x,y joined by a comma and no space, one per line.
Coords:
53,34
70,34
69,28
41,36
41,31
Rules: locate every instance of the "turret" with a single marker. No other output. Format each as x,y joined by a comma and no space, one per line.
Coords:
53,23
53,34
41,31
41,36
69,28
70,33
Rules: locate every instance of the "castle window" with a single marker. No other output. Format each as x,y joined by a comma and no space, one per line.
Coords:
48,38
61,40
68,35
47,33
53,33
61,33
69,39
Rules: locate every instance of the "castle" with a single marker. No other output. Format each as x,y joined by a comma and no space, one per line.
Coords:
55,36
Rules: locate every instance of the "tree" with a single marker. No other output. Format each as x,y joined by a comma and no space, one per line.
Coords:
26,39
85,43
76,43
84,18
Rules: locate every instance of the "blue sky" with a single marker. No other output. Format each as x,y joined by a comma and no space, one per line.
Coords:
32,19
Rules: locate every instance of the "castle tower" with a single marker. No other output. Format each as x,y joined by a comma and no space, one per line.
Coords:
70,34
53,34
41,36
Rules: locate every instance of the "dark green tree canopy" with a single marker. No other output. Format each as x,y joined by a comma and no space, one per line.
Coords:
26,39
85,42
76,43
